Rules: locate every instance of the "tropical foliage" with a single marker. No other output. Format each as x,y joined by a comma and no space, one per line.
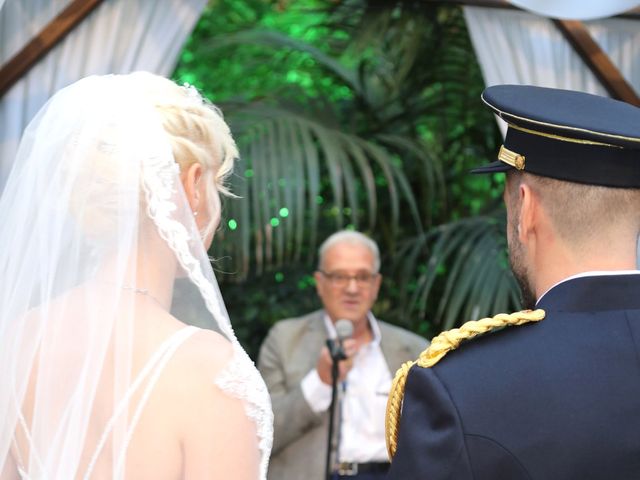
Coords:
357,114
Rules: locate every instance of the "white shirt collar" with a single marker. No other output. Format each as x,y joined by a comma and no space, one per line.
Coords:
595,273
373,323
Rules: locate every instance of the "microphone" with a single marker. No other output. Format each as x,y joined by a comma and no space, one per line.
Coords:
344,330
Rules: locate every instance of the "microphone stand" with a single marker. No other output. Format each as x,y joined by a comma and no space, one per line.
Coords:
337,354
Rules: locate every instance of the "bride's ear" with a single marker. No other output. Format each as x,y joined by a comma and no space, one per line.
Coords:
190,179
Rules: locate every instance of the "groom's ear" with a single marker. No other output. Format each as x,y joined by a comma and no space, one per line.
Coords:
190,179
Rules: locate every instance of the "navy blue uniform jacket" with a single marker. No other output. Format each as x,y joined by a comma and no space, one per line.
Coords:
556,399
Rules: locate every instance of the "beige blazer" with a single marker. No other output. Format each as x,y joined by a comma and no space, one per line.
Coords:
288,353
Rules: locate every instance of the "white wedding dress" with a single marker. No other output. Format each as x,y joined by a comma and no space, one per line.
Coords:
102,267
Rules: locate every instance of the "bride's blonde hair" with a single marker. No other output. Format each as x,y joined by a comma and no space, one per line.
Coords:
198,134
196,131
196,128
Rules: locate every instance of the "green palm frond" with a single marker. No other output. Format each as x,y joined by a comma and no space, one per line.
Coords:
427,167
461,272
279,41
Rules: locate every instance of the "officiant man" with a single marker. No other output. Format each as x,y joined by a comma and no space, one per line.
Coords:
296,366
550,393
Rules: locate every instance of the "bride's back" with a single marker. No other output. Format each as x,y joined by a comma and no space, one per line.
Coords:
181,424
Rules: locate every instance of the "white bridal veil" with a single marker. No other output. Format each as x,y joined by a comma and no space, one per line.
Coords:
99,254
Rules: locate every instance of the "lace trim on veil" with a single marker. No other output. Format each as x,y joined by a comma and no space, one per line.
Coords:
239,378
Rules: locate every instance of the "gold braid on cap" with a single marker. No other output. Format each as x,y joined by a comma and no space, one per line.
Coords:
439,347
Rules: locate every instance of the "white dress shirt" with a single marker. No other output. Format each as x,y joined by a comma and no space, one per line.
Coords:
363,402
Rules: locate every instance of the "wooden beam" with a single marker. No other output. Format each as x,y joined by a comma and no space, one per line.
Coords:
44,41
597,60
633,14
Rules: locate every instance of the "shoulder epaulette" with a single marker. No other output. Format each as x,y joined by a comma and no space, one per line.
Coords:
439,347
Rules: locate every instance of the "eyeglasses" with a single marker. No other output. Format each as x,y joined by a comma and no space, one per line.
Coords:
340,279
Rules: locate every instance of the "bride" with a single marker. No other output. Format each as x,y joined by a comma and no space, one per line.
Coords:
106,219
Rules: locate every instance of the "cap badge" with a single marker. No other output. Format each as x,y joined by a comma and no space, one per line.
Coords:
511,158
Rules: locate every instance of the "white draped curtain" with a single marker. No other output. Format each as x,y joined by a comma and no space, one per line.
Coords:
119,36
523,48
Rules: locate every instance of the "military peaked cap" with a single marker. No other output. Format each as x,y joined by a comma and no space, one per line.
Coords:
567,135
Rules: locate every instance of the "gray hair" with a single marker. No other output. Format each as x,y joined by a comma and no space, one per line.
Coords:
353,238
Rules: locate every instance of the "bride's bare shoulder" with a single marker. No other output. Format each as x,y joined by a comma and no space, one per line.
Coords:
216,436
215,431
205,354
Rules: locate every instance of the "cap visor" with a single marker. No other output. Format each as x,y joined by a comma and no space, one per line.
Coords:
493,167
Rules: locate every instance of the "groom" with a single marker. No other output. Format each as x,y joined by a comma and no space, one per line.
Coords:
558,396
